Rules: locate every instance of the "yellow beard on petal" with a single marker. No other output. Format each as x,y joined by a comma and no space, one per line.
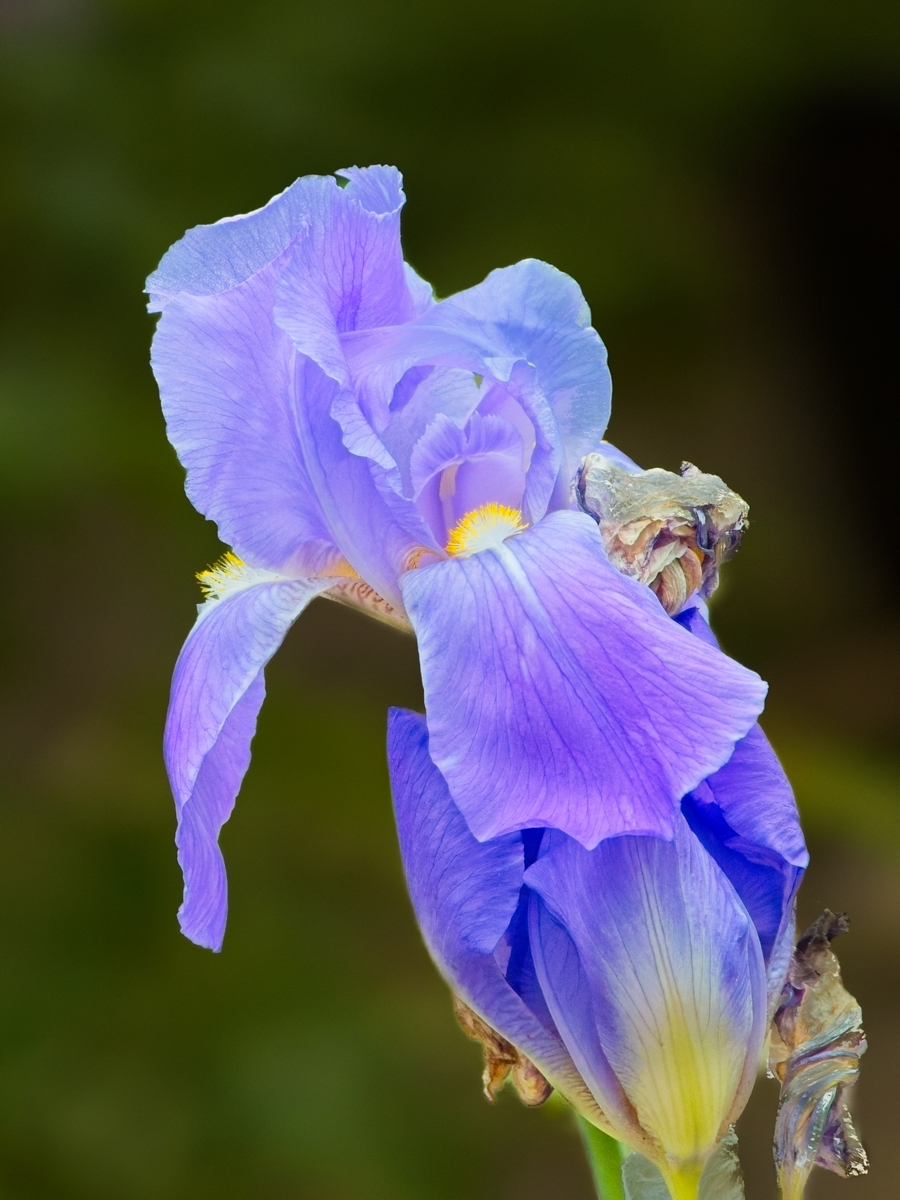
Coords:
218,579
484,528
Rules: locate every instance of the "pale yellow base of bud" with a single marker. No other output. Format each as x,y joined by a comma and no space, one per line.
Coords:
683,1183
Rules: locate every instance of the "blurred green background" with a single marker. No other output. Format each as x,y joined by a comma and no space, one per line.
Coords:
722,179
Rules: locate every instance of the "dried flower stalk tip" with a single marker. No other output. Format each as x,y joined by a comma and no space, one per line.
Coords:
502,1059
817,1041
669,531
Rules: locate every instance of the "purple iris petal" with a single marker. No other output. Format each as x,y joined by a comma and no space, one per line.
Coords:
214,258
527,315
422,396
374,527
346,271
225,374
746,816
652,970
454,471
534,313
619,457
560,694
465,894
217,692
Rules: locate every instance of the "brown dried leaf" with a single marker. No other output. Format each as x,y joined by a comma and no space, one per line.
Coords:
501,1059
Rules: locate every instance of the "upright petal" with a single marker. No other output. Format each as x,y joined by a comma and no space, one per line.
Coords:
217,692
465,894
535,313
529,313
375,528
215,258
226,375
560,694
674,1000
346,271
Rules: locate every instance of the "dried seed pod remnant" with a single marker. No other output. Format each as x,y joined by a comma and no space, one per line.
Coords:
817,1041
501,1059
666,530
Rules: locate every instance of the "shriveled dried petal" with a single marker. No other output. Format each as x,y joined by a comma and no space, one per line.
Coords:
817,1041
669,531
501,1059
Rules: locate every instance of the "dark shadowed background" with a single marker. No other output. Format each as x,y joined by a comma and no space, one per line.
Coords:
723,179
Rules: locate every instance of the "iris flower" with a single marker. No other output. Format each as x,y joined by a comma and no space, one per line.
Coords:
601,847
352,437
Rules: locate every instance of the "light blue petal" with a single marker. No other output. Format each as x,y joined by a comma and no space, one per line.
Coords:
617,456
560,694
375,528
746,816
217,691
422,395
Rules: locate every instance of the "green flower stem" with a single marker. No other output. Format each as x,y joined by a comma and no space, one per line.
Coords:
605,1155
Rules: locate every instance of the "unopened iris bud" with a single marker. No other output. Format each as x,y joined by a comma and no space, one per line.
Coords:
666,530
817,1041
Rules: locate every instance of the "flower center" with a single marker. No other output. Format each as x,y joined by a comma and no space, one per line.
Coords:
485,528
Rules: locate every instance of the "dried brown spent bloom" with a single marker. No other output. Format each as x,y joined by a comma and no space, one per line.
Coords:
669,531
817,1040
502,1059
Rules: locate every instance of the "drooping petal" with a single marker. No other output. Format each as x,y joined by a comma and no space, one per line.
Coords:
673,996
560,694
464,894
217,692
